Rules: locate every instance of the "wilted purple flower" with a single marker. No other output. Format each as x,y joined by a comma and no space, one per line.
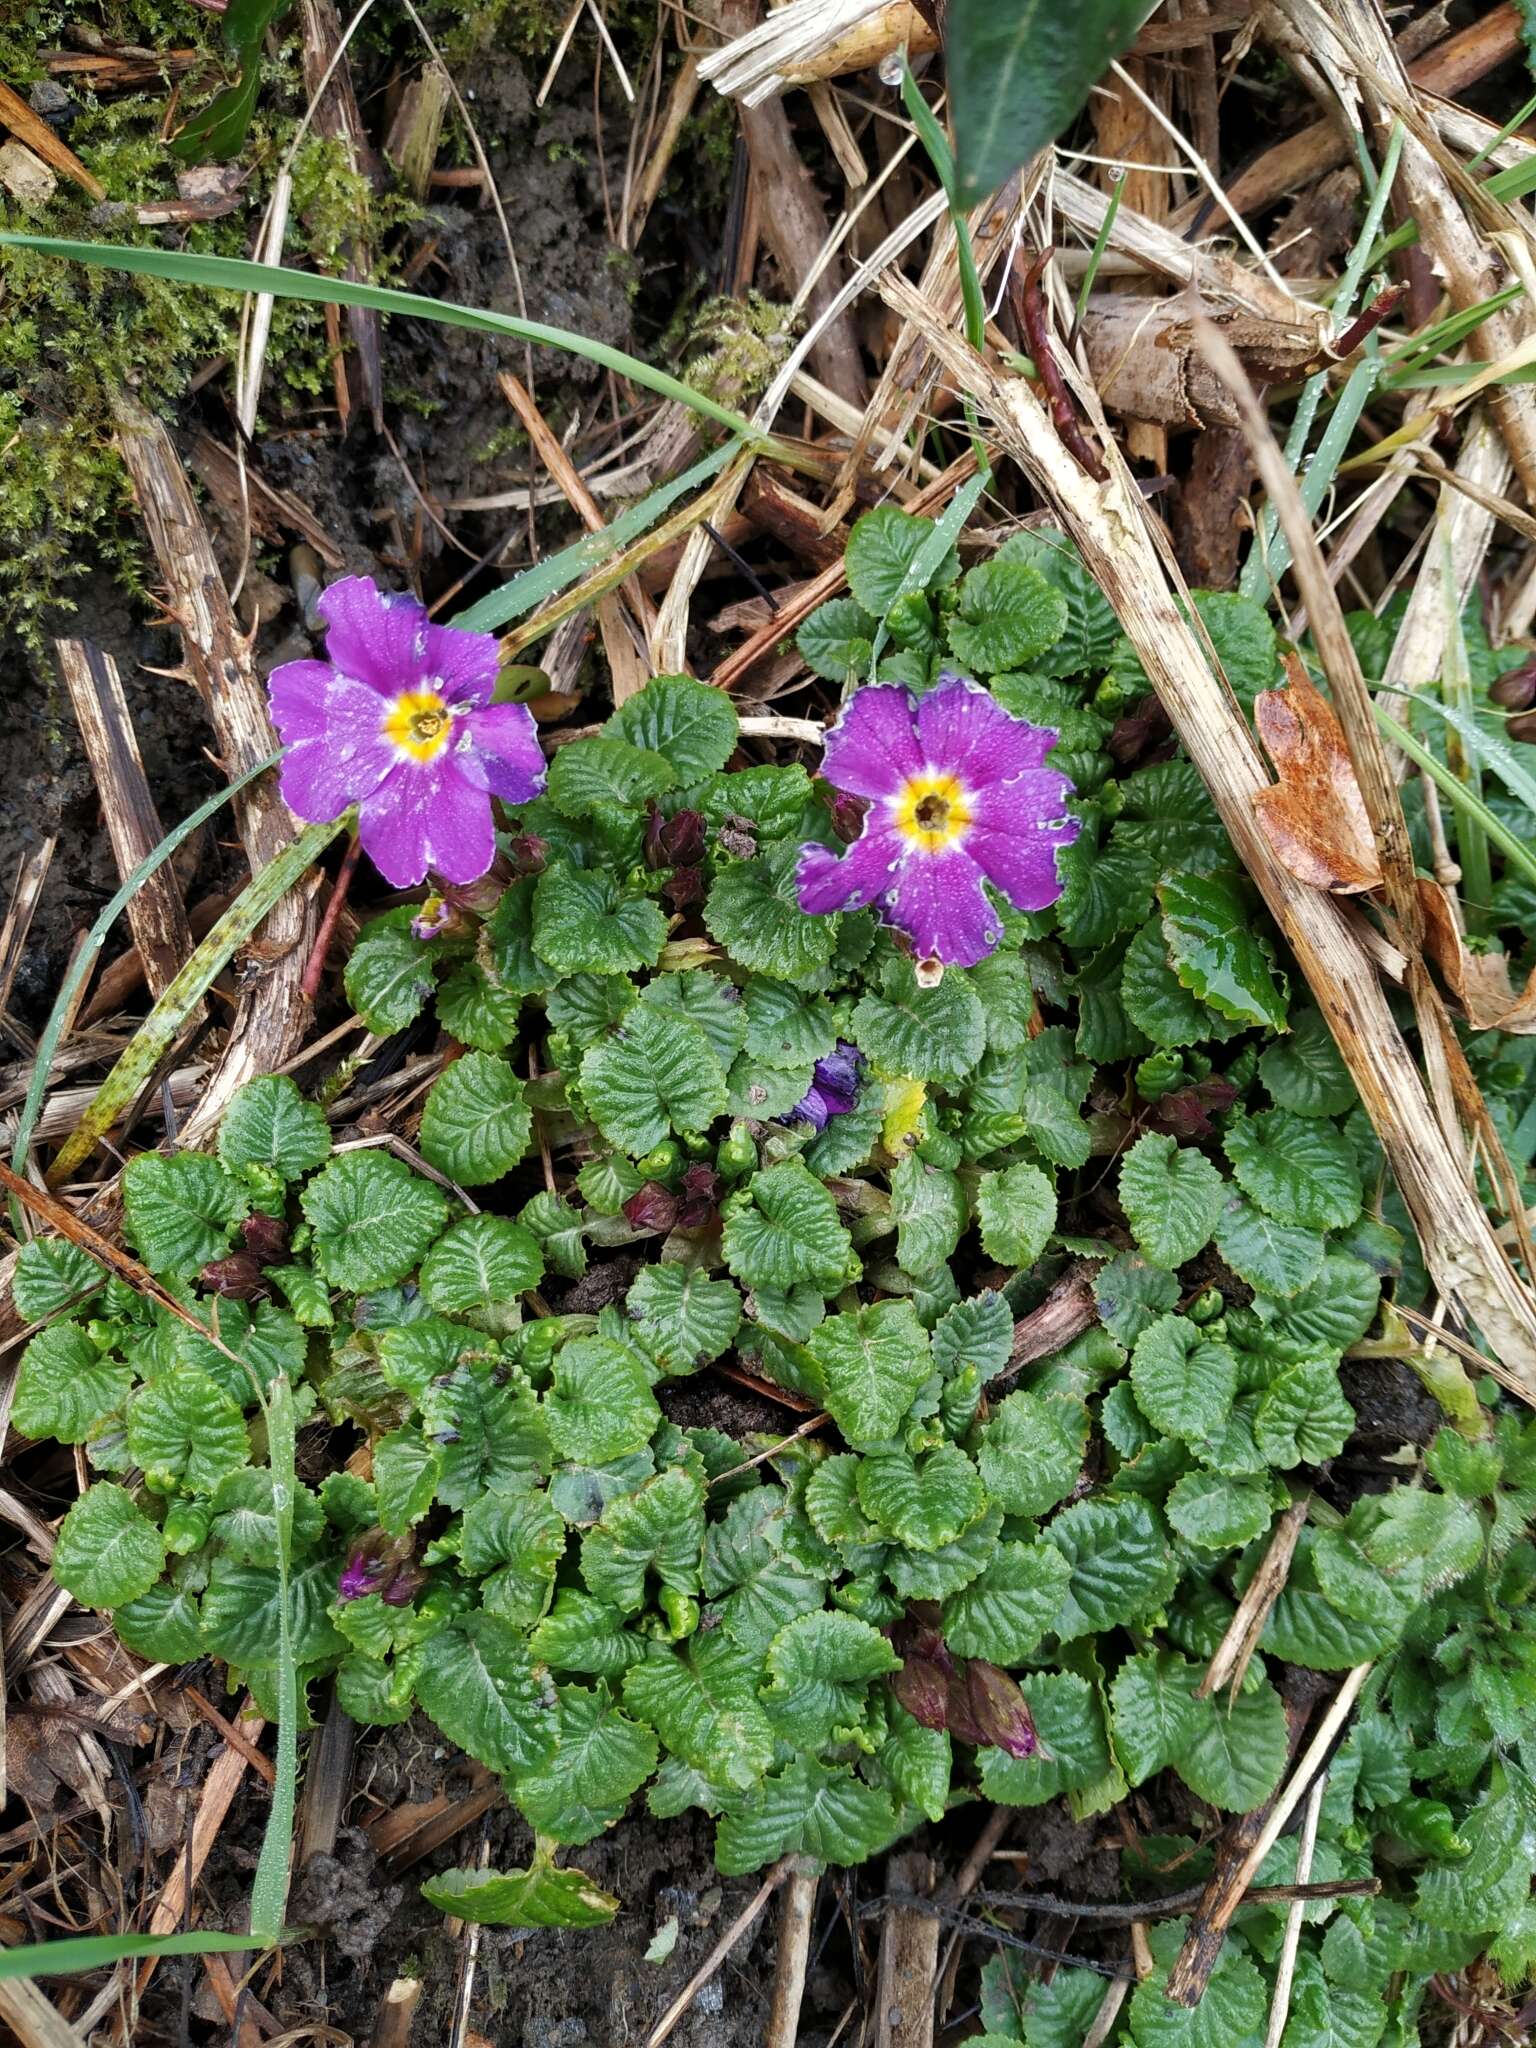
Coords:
652,1207
380,1564
834,1088
999,1709
399,721
959,796
237,1277
266,1238
699,1194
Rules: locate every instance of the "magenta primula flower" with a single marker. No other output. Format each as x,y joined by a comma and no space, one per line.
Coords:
959,795
399,721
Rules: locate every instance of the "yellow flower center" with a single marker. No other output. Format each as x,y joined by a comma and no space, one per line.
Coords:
418,723
932,812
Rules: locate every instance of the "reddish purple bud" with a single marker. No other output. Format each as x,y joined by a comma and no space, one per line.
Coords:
848,812
999,1709
682,839
266,1239
1187,1112
1138,730
1522,727
699,1194
380,1564
404,1586
652,1207
1515,690
529,854
959,1717
923,1689
683,888
238,1277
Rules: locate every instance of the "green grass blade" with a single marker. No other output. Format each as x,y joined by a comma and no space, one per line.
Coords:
95,939
93,1951
158,1031
1490,748
269,1887
546,579
934,140
1514,850
276,280
1100,244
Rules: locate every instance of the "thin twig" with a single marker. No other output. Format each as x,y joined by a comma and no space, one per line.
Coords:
796,1918
1034,318
1280,2007
717,1955
314,969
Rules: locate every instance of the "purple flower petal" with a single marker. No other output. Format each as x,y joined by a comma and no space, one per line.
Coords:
506,740
872,749
824,882
298,691
427,816
940,903
1015,835
377,636
812,1108
968,733
462,665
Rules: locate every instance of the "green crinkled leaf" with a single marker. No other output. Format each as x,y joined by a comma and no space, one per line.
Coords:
1304,1417
701,1698
1305,1072
1074,1748
476,1124
268,1123
752,911
785,1026
688,1319
607,1182
975,1335
708,1000
783,1231
1277,1258
583,1634
479,1684
52,1274
1008,614
600,1405
761,1093
185,1431
925,1034
182,1211
1234,1750
560,1230
242,1609
936,1574
479,1262
1154,1710
931,1214
603,1759
882,548
1172,1197
828,1814
659,1528
389,973
406,1469
307,1295
517,966
1091,630
108,1550
66,1387
1217,1513
923,1502
585,1006
1244,638
872,1362
165,1625
918,1762
266,1340
1122,1570
1017,1212
1003,1613
584,924
1031,1451
245,1521
1131,1294
1231,2014
538,1897
1304,1627
1486,1888
1106,890
1156,1001
1296,1168
1184,1382
691,724
816,1673
372,1217
657,1073
513,1543
1167,814
596,776
489,1436
1208,923
1327,1315
837,640
477,1011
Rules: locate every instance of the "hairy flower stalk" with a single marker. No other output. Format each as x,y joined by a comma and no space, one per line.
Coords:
398,720
959,796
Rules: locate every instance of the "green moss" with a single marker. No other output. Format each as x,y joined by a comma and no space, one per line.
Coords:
736,345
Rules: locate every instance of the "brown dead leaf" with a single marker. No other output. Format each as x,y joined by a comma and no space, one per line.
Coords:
1314,816
1479,981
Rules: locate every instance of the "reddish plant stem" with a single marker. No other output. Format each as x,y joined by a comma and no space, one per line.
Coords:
1382,307
1034,318
310,984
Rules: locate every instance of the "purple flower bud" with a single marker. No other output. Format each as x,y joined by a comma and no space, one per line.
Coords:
848,812
436,918
529,854
700,1192
266,1239
238,1277
682,839
999,1710
683,888
360,1576
652,1207
380,1564
404,1586
923,1689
